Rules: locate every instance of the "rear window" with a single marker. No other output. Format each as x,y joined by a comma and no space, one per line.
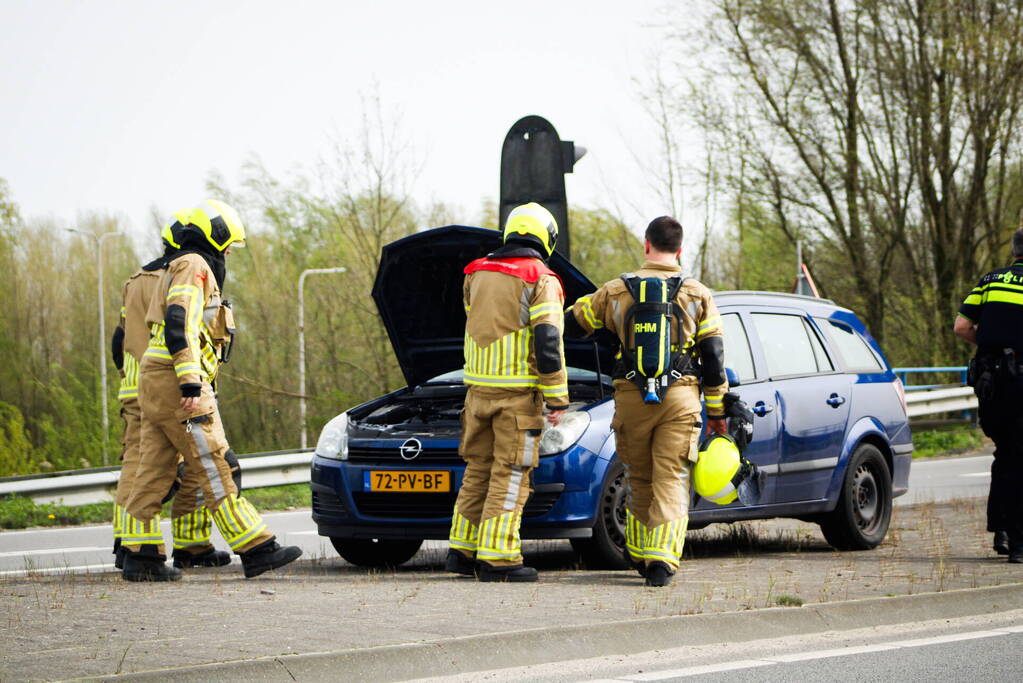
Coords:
852,347
787,345
738,356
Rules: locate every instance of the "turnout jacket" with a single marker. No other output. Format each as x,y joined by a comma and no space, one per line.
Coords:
514,322
701,326
131,337
184,319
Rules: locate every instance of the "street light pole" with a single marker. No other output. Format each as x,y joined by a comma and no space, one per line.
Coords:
105,418
301,340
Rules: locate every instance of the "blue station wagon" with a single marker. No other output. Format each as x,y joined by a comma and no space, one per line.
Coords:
830,432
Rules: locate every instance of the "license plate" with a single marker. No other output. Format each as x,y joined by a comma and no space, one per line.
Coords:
409,482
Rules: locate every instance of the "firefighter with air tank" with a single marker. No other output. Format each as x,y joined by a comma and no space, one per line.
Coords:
657,380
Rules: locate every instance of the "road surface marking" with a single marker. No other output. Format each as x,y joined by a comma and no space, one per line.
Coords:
88,568
817,654
55,551
976,474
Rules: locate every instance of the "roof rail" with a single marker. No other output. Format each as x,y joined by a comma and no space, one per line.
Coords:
786,295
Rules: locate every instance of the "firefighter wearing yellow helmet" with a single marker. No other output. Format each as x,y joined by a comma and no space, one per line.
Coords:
130,339
179,408
514,365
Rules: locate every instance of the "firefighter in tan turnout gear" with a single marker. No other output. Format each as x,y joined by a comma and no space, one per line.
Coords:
179,409
514,364
657,420
131,337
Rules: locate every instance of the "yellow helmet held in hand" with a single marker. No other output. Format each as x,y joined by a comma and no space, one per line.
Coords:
171,233
532,221
719,469
219,224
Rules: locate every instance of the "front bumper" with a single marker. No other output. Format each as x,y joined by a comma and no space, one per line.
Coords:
563,504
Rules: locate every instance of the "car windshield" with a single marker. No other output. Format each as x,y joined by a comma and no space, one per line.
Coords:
575,375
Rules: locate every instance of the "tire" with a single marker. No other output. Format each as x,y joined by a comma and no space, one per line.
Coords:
861,518
366,552
604,550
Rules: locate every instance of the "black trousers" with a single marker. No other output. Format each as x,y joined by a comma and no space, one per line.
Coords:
1001,418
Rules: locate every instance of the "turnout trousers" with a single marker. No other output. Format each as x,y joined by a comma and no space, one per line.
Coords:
657,444
500,443
166,431
1001,418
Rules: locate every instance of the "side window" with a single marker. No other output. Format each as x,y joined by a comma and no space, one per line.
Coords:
786,343
823,362
737,352
854,350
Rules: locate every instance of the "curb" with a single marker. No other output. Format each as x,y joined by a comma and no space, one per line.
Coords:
539,646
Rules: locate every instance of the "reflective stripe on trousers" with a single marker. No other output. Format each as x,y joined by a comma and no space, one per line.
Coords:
499,538
192,529
464,534
664,543
136,532
238,521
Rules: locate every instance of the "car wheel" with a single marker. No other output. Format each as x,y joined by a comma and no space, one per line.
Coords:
860,520
604,549
372,552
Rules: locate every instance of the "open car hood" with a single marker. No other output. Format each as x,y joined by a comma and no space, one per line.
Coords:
418,291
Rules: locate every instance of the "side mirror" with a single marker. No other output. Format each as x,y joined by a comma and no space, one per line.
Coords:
732,376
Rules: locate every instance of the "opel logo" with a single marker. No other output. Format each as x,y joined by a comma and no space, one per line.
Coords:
411,449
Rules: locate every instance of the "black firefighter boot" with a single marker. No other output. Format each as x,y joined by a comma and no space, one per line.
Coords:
118,554
458,563
658,574
183,559
1001,544
516,573
1015,548
268,555
148,565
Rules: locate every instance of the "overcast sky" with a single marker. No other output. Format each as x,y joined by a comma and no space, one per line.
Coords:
122,105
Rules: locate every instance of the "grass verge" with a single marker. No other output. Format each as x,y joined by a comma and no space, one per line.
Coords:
17,512
949,440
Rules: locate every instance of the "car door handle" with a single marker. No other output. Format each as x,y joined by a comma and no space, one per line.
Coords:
760,408
835,400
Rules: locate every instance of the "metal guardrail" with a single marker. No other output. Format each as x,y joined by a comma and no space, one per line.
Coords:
276,468
80,487
929,399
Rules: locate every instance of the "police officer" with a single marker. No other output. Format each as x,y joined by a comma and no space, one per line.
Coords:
657,442
191,528
514,364
179,409
992,318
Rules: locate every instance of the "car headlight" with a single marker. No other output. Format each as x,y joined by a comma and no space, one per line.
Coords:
333,441
557,439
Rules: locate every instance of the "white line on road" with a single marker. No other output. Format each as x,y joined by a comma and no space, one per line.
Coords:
84,568
976,474
818,654
55,551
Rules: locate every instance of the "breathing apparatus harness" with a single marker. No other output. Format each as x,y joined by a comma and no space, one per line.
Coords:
653,363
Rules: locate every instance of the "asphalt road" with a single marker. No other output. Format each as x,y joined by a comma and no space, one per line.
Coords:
87,548
964,649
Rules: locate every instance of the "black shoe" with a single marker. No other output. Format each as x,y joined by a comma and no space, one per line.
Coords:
1016,554
1001,544
658,574
458,563
147,565
639,566
267,556
514,574
118,553
211,558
